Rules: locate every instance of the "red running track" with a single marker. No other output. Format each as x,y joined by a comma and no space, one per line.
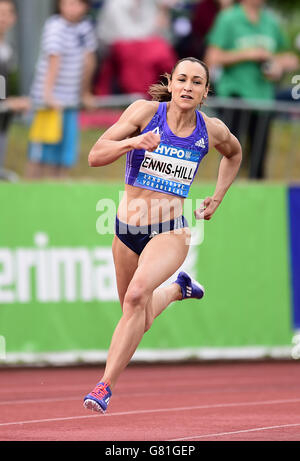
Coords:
256,401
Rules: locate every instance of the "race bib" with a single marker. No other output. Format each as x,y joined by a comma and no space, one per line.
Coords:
168,169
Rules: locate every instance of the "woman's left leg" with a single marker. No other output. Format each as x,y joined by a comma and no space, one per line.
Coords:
163,296
160,299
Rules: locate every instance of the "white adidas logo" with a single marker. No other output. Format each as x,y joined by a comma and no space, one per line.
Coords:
188,291
200,143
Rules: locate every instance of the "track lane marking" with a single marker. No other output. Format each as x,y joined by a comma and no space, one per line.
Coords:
40,400
220,434
75,398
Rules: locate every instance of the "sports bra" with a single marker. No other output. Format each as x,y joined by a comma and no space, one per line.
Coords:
172,167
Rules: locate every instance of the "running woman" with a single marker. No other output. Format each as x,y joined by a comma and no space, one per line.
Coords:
165,140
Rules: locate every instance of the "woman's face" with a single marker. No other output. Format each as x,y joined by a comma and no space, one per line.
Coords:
72,10
188,85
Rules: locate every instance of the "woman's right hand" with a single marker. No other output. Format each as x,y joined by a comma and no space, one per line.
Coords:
147,141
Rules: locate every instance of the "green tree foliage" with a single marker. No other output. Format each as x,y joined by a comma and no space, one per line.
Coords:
286,6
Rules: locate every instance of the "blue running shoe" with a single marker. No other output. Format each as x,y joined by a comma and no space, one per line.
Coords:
98,399
189,287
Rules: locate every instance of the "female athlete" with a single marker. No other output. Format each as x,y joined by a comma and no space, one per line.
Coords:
165,140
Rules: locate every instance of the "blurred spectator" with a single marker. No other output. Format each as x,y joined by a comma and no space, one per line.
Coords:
247,43
7,64
133,37
181,14
95,6
62,81
289,92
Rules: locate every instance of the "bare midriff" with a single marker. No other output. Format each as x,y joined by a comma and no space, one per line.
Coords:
141,207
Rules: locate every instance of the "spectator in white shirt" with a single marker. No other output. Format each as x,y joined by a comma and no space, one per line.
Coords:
63,81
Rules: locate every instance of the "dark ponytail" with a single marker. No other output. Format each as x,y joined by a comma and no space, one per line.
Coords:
159,91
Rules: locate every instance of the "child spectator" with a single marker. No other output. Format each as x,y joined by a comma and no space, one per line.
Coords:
7,60
62,81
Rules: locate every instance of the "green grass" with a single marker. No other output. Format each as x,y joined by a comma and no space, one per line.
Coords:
16,157
283,160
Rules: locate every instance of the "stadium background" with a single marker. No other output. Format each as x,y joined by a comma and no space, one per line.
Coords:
248,258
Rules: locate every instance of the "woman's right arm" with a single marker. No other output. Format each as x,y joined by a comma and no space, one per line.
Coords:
119,139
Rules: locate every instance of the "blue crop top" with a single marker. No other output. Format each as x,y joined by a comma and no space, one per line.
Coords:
172,167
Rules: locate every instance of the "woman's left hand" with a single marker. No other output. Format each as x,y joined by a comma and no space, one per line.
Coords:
207,209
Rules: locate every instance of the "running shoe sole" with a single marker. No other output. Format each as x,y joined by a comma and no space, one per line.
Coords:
194,282
90,404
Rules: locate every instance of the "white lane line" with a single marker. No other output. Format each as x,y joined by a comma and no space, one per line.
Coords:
157,410
220,434
199,407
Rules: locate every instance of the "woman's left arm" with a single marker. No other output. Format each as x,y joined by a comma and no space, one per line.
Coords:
228,145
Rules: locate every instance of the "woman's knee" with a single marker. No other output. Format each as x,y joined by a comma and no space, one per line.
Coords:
136,296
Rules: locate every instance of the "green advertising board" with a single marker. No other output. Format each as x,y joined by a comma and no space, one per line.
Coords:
58,294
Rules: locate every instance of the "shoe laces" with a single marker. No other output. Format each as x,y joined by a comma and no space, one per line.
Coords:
100,390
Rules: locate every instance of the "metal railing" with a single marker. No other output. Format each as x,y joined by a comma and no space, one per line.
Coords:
269,132
104,102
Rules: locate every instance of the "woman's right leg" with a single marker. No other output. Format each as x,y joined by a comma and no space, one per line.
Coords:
152,271
137,279
126,263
